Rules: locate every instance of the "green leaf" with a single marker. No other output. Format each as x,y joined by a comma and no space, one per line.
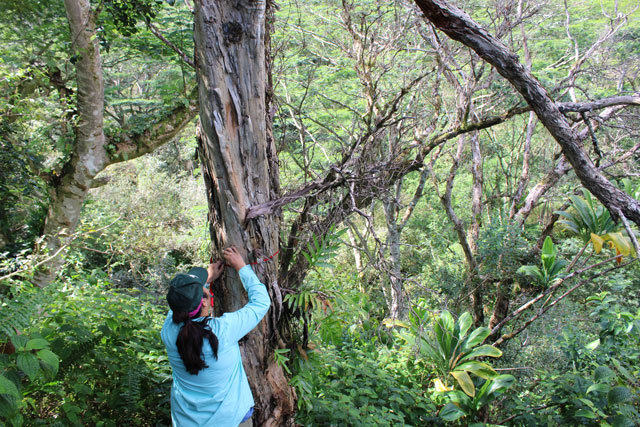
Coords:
532,271
598,388
28,363
619,394
483,351
548,249
593,344
476,337
37,344
19,342
501,383
587,413
8,387
603,373
464,323
481,369
622,421
465,382
451,412
50,358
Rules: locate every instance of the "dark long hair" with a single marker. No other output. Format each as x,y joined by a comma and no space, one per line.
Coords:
190,340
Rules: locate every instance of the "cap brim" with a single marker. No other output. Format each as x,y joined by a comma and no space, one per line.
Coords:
200,273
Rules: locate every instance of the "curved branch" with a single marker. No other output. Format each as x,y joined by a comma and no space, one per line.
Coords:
460,27
156,134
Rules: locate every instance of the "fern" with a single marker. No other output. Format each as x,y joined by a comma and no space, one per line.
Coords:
16,313
603,373
619,394
72,355
131,386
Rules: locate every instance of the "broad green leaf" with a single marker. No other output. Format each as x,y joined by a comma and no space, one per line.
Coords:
465,382
37,344
451,412
593,344
548,248
587,413
622,421
476,337
483,351
464,323
531,270
50,358
447,325
603,373
481,369
598,388
28,363
8,387
501,383
19,341
619,394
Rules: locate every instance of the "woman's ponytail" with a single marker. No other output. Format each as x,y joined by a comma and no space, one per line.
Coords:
190,340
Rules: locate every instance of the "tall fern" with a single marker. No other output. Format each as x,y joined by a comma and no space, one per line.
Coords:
130,385
16,313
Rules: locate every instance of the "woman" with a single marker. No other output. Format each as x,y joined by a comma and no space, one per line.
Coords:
210,387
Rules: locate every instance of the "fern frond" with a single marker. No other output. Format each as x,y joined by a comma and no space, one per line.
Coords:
16,313
131,386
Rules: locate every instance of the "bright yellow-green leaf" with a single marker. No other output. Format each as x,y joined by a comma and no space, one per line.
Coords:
620,242
440,387
597,242
465,382
390,323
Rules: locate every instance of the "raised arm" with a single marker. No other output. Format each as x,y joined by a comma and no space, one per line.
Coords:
241,322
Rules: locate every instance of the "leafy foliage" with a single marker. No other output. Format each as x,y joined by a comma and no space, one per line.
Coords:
451,349
93,356
551,270
593,223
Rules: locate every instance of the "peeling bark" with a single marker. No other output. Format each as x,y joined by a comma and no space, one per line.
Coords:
240,170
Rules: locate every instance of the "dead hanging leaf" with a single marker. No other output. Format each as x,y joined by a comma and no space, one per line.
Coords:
302,352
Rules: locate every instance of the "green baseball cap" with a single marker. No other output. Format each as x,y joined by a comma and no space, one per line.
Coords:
185,290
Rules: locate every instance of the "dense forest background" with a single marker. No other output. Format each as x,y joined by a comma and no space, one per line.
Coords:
440,261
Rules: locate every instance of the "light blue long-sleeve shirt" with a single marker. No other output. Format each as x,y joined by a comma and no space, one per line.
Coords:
218,395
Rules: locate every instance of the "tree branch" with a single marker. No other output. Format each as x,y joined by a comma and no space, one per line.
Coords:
460,27
156,134
154,30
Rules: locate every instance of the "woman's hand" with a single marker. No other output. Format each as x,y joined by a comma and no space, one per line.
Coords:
215,270
233,258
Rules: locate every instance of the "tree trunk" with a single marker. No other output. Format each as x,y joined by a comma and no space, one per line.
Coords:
240,170
89,155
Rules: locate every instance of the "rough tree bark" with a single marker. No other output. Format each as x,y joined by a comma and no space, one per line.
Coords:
89,155
460,27
240,170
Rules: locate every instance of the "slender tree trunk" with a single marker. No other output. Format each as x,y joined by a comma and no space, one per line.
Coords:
397,306
89,155
240,170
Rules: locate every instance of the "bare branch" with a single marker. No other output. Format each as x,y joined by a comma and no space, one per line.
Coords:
459,26
154,30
